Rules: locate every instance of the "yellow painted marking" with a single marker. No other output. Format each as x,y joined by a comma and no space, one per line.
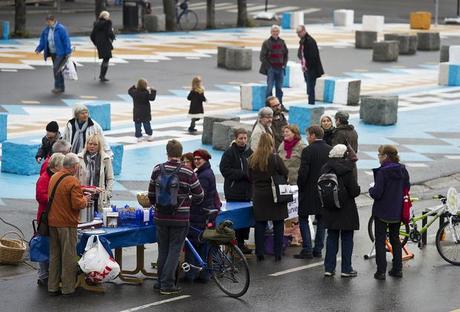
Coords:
88,97
30,102
361,70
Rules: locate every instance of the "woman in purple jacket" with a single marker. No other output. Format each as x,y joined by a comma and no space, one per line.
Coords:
389,181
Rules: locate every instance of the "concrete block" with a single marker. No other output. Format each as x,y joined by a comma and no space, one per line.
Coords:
304,115
222,134
347,91
221,51
100,112
373,22
344,17
253,96
18,157
385,51
420,20
449,74
365,39
379,110
3,126
238,58
428,41
117,160
319,89
155,22
293,76
407,42
454,54
208,123
4,30
444,54
290,20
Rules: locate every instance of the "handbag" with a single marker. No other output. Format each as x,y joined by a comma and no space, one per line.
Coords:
43,227
406,206
351,154
39,247
280,187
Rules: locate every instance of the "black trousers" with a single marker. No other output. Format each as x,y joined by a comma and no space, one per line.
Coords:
380,250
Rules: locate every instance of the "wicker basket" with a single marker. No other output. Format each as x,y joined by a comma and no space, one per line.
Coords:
143,199
11,250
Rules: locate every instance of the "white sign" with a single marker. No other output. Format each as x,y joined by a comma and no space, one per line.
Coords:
293,207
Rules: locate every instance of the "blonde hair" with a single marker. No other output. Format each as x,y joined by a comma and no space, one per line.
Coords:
196,84
56,161
96,138
259,159
142,84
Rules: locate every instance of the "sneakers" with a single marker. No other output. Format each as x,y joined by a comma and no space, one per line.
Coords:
140,139
380,276
150,138
304,255
103,79
395,273
352,273
329,274
170,291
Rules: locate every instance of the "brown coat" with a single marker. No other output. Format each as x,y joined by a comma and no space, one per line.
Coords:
292,164
68,200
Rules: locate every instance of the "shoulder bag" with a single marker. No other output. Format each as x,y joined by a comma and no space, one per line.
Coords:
280,187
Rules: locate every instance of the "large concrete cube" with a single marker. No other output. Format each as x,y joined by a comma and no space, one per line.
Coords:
373,23
100,112
290,20
407,42
304,115
3,126
238,58
221,53
222,134
347,91
208,123
154,22
420,20
428,41
454,54
444,54
4,30
117,160
18,157
365,39
344,17
253,96
385,51
293,75
449,74
379,110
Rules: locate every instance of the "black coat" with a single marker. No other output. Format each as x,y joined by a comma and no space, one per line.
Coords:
208,184
314,156
235,170
45,149
264,207
102,36
345,218
141,101
328,134
311,54
196,102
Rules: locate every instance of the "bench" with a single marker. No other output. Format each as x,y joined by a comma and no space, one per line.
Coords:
449,74
23,165
373,23
365,39
223,133
428,41
117,160
237,58
293,75
290,20
407,42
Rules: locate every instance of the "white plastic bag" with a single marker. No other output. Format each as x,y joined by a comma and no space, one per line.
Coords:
69,71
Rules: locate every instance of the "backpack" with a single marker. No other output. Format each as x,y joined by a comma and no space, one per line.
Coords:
328,189
166,191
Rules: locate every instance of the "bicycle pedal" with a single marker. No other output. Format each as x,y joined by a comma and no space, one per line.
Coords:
185,267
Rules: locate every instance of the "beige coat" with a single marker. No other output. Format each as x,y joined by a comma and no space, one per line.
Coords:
257,132
293,163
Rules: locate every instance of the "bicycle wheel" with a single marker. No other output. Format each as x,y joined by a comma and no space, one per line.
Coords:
403,230
188,20
448,242
229,269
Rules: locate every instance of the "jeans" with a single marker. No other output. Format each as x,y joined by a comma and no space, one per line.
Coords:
278,231
306,235
58,63
311,83
380,250
170,241
332,247
43,268
147,128
275,77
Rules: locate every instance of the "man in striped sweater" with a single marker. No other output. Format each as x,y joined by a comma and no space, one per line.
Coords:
171,228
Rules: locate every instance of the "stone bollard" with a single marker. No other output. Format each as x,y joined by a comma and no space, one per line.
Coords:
4,30
117,160
290,20
365,39
385,51
222,134
253,96
420,20
344,17
154,22
221,52
100,112
208,123
18,157
373,23
293,75
379,109
407,42
454,54
338,90
305,115
238,58
449,74
428,41
444,54
3,126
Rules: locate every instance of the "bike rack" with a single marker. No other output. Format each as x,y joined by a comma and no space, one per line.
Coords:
407,254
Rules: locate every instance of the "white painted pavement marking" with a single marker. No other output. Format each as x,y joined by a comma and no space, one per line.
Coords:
300,268
9,70
253,8
453,157
145,306
417,165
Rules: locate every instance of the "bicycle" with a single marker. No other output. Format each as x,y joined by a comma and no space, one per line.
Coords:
224,261
186,19
448,234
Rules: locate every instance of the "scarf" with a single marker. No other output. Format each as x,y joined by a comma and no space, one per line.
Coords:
93,168
78,138
288,146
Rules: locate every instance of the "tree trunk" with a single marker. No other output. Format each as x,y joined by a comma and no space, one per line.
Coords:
169,7
242,13
210,14
20,18
99,7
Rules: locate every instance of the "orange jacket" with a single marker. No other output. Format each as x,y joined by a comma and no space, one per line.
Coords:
68,200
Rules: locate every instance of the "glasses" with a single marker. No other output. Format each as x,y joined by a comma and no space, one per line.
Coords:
197,158
276,105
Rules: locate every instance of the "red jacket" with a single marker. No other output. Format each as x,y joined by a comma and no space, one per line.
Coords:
41,192
44,165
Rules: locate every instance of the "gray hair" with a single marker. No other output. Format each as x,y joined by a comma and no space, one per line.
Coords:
78,108
276,27
105,15
61,146
338,151
265,112
70,160
56,161
301,28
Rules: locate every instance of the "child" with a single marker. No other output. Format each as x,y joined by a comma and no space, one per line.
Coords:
142,95
52,135
196,98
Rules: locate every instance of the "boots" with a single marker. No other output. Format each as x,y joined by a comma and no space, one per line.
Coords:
104,68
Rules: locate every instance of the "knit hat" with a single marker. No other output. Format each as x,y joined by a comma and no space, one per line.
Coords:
338,151
328,116
342,115
52,127
202,153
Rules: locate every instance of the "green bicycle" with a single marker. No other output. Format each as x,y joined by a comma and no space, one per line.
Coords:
448,234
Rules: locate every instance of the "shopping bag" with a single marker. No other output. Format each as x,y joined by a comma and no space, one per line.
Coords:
69,71
39,248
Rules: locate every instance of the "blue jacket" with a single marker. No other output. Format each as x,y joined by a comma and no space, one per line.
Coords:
390,179
208,183
61,41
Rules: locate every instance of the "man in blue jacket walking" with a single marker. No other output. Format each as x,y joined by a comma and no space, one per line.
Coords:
55,43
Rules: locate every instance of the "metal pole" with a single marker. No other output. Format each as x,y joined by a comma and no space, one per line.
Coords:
458,8
266,6
437,12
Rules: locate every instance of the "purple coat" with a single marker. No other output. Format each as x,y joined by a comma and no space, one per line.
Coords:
208,183
390,179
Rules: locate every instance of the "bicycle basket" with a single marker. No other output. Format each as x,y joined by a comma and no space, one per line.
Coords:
452,201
